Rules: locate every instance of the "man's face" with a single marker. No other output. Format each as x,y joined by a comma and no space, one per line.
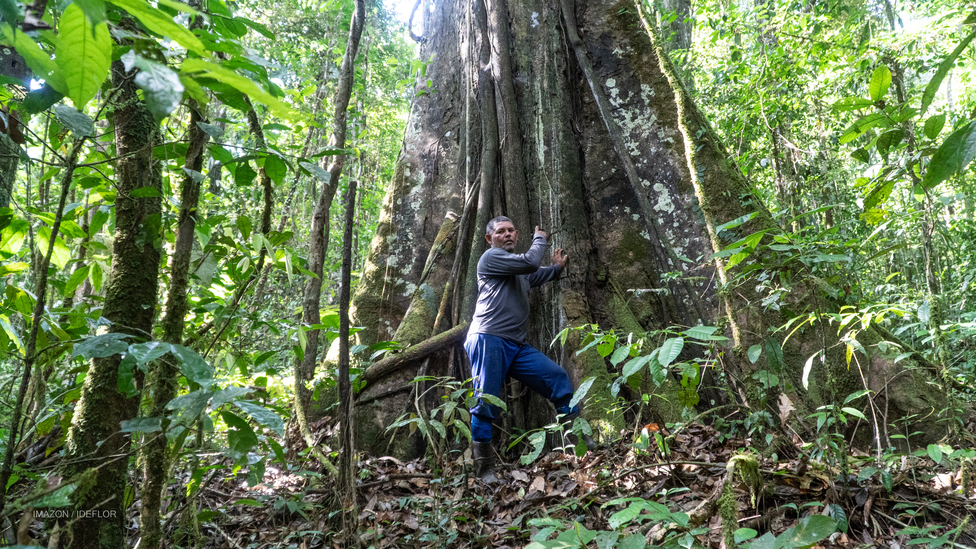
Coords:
504,236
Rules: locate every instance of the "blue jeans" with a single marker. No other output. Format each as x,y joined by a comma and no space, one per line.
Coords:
493,359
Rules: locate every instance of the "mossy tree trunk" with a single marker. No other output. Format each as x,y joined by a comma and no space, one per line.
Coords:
162,385
97,453
619,164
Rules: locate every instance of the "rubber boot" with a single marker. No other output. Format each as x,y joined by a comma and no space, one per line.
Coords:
570,436
484,462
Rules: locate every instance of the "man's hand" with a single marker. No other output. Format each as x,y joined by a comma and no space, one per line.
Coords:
539,231
559,257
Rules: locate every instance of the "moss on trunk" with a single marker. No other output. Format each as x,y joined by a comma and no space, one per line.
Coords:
94,439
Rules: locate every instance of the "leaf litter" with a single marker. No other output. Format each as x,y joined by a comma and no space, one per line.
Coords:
407,504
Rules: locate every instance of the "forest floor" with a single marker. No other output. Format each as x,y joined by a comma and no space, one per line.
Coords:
617,496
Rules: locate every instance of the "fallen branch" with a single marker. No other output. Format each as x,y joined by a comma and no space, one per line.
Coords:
416,352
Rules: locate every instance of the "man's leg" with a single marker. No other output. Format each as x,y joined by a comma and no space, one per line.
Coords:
489,356
550,380
539,373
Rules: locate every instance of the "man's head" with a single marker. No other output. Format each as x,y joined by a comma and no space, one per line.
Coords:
501,233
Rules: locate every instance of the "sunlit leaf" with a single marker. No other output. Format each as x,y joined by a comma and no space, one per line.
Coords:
84,54
880,81
944,67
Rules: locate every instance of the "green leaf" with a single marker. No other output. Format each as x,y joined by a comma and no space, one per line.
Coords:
620,354
94,10
11,268
213,130
581,391
142,425
149,351
264,416
161,84
934,125
195,368
744,534
276,168
887,481
79,276
38,60
838,513
205,69
851,104
935,452
244,174
241,438
880,82
754,353
862,125
889,139
58,498
955,153
808,531
634,365
670,351
38,101
100,346
83,54
162,24
76,121
944,67
626,516
317,171
126,379
703,333
854,412
190,405
879,195
10,12
244,225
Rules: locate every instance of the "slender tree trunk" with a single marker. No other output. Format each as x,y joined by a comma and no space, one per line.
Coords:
96,453
319,237
347,460
30,352
163,374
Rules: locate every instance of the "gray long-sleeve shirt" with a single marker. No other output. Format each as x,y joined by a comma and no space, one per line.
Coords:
504,280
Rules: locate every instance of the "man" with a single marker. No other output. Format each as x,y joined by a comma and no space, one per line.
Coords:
496,338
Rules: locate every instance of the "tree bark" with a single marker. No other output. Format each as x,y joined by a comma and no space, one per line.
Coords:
319,236
621,165
130,306
163,374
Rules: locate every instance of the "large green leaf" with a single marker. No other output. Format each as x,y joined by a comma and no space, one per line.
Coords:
195,368
933,86
161,24
206,69
862,125
266,417
955,153
670,350
808,531
275,167
38,60
78,122
84,54
241,438
880,82
100,346
162,85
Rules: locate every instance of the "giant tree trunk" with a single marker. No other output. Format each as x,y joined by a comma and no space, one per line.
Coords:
97,453
620,162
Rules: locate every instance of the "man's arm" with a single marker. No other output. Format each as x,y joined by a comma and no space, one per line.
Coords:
545,274
498,262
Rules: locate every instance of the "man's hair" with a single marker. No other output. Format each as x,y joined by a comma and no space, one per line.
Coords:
491,224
